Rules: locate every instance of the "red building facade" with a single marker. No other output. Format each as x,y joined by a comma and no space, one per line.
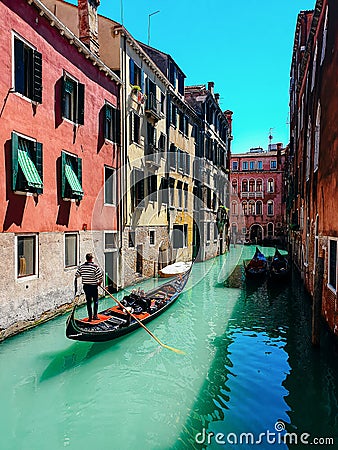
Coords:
60,136
257,186
312,160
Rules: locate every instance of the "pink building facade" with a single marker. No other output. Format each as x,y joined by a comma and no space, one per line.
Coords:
257,210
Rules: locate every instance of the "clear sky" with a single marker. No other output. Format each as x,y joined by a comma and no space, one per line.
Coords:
244,46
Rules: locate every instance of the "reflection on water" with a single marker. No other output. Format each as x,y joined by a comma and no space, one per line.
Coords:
248,364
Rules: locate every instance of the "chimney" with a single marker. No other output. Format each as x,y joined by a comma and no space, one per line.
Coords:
211,85
228,114
88,24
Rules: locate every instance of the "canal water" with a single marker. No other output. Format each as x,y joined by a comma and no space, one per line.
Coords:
248,368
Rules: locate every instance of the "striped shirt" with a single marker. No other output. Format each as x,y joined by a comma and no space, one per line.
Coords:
90,273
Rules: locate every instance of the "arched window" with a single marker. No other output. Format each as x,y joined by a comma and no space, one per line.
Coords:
252,185
251,207
270,229
244,185
324,36
271,187
259,185
270,208
234,207
234,186
259,208
245,207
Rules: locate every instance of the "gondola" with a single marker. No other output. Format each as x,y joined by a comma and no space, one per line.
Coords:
257,266
115,321
279,267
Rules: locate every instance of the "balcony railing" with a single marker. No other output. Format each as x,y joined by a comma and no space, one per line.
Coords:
259,194
153,106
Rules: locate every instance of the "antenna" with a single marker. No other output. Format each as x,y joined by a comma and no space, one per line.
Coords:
149,15
270,135
121,9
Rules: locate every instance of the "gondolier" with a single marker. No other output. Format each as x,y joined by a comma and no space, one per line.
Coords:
92,277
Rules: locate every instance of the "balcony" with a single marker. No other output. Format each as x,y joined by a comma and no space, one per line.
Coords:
152,156
258,194
153,107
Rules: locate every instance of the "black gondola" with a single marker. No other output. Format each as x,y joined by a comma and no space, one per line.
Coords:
257,266
279,267
115,322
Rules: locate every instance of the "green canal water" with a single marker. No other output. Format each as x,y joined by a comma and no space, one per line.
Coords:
248,364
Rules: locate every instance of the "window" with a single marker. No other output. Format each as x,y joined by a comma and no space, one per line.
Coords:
234,165
136,76
185,189
152,188
332,272
172,74
208,231
71,249
252,165
317,139
186,126
259,185
109,186
244,185
260,165
71,176
270,229
27,70
244,165
112,123
316,245
181,121
179,193
164,191
131,239
270,208
152,237
251,207
234,187
324,36
180,79
273,164
259,208
134,128
180,236
110,241
72,100
251,185
137,188
187,164
308,149
314,64
161,142
172,157
162,103
173,115
26,255
245,208
27,173
270,185
208,193
234,208
172,191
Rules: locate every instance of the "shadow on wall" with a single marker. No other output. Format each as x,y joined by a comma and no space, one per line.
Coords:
63,207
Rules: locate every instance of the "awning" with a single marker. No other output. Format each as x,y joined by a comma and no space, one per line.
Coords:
73,180
29,170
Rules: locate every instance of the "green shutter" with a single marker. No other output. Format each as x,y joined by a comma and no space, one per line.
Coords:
106,118
79,175
37,77
15,163
39,164
73,181
80,103
63,175
29,170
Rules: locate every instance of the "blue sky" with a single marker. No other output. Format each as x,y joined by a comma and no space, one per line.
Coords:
244,46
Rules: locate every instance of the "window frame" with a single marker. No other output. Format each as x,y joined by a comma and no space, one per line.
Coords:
152,237
64,180
270,202
114,191
112,129
78,106
332,288
273,164
34,276
77,256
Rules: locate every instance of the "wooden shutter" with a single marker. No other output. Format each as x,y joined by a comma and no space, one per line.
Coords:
63,174
39,163
37,77
79,174
19,66
15,163
80,103
131,71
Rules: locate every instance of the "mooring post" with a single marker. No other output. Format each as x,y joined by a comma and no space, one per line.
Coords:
317,301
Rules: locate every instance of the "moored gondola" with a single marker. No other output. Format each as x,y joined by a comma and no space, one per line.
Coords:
257,266
115,321
279,267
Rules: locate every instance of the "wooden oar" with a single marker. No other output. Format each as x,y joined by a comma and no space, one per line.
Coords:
142,325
